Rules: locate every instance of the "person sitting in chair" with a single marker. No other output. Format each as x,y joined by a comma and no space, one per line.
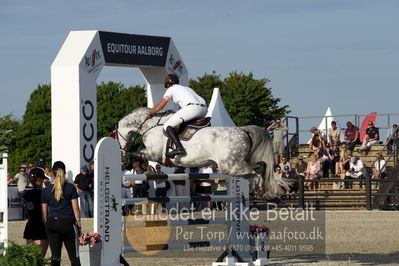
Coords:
192,106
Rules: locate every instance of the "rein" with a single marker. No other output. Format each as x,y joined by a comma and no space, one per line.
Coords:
128,140
157,124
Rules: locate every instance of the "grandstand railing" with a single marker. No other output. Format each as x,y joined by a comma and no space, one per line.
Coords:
368,194
384,122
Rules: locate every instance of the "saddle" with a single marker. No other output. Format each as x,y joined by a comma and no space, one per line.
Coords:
188,129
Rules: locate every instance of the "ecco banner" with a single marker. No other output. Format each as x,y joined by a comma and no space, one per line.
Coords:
132,49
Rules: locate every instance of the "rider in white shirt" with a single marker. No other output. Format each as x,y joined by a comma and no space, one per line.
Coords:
192,106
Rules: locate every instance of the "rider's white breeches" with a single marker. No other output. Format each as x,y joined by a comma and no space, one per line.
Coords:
185,114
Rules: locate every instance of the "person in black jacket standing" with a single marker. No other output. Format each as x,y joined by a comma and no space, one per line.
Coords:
61,215
35,231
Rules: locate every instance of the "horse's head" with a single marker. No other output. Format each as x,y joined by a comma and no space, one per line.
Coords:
137,122
129,124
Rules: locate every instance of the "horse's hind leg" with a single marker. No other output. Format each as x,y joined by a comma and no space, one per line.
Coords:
241,168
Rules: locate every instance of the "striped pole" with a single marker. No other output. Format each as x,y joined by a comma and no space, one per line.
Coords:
174,177
160,223
173,199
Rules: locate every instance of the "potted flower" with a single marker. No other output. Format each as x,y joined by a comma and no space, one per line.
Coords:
90,248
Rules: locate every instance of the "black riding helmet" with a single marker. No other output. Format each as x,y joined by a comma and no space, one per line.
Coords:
171,79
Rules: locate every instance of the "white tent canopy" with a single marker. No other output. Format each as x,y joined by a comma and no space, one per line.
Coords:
217,111
325,123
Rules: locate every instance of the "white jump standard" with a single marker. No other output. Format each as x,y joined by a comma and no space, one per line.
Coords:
3,202
108,202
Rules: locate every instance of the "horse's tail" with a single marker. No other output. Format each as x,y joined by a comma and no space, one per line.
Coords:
262,151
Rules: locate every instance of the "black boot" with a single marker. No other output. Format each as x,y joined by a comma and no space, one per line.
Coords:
175,139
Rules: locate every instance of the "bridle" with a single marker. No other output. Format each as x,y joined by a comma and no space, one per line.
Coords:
128,139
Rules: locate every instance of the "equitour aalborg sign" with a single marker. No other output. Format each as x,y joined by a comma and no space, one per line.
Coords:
74,74
136,50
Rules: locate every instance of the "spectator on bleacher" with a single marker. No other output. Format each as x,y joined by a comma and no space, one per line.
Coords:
316,142
328,161
392,134
344,159
313,171
300,166
351,135
292,178
334,135
372,137
379,170
356,169
277,172
278,128
284,162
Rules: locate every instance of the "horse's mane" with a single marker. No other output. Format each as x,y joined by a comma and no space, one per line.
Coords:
134,110
161,113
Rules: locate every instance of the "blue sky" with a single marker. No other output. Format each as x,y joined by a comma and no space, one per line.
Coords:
317,53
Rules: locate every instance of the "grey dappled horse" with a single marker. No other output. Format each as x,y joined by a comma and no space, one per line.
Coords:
237,151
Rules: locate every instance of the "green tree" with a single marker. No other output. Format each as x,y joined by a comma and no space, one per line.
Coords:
248,101
9,127
34,136
204,85
115,101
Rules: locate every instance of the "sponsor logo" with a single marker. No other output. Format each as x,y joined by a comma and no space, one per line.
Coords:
114,204
93,61
107,199
88,130
175,65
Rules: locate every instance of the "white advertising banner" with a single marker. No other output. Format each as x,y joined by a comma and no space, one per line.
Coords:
15,204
